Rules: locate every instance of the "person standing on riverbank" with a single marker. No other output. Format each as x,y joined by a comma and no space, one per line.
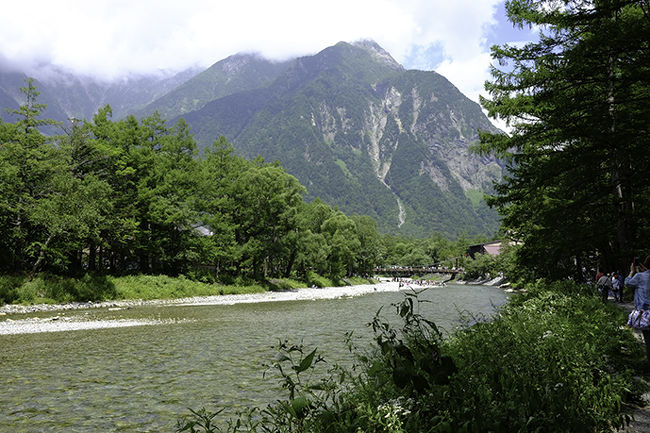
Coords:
639,279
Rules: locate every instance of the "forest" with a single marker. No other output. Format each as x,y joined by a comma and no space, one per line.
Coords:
576,194
128,197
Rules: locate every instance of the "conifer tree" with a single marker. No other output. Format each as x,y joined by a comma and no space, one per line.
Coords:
578,103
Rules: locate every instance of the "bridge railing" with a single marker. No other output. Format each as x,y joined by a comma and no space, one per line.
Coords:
416,270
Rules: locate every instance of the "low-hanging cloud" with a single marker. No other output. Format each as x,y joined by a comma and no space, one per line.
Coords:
110,39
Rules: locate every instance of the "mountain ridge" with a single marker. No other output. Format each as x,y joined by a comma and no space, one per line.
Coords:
311,120
359,130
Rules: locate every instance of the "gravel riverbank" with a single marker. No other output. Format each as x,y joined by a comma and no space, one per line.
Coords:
293,295
14,319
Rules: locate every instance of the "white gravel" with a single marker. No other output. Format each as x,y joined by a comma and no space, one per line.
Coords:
59,324
12,323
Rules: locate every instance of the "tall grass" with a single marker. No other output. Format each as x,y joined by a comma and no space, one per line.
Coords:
163,287
46,288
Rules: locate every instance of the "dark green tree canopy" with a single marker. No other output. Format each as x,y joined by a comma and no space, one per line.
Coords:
578,101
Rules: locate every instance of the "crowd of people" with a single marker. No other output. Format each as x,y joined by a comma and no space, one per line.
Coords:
417,282
613,285
610,285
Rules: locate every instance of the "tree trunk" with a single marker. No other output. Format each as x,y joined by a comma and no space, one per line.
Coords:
622,190
292,258
41,257
92,257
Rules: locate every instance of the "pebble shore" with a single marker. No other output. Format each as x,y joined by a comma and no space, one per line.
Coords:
14,321
293,295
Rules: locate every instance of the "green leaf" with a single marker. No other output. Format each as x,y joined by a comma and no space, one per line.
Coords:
299,406
306,362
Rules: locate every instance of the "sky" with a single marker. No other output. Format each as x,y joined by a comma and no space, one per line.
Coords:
110,39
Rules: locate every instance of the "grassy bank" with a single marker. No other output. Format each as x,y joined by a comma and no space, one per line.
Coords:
556,359
54,289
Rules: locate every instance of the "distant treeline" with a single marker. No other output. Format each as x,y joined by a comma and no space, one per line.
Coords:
129,196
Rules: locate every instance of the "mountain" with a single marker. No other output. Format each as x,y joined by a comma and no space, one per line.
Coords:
364,134
355,127
234,74
72,96
11,97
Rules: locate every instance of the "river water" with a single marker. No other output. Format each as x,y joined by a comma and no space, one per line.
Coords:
143,367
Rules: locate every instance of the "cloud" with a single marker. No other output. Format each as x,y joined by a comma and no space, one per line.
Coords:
111,38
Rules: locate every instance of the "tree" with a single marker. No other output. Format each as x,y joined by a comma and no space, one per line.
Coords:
167,196
577,101
369,251
50,204
341,234
29,165
266,202
220,169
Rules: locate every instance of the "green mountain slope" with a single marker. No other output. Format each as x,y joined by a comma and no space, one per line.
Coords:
356,128
234,74
68,95
364,134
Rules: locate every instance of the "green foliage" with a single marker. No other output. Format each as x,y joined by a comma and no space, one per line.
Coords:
49,288
164,287
8,288
552,362
132,197
314,279
405,251
487,265
284,284
577,153
480,267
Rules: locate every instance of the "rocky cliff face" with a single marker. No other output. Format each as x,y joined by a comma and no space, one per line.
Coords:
363,133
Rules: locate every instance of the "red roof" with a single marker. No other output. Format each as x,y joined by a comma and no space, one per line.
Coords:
492,249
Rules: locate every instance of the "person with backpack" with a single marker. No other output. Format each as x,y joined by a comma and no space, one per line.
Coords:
604,286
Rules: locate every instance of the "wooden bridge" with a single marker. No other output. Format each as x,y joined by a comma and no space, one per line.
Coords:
409,271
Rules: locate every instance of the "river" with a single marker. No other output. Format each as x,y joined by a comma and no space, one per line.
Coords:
139,368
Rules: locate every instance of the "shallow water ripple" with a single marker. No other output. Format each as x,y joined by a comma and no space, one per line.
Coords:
155,362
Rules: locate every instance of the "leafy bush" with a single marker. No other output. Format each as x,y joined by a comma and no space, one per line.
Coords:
94,288
47,288
314,279
549,362
164,287
9,288
30,291
284,284
480,267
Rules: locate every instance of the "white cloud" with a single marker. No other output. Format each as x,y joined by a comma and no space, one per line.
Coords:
468,74
109,38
